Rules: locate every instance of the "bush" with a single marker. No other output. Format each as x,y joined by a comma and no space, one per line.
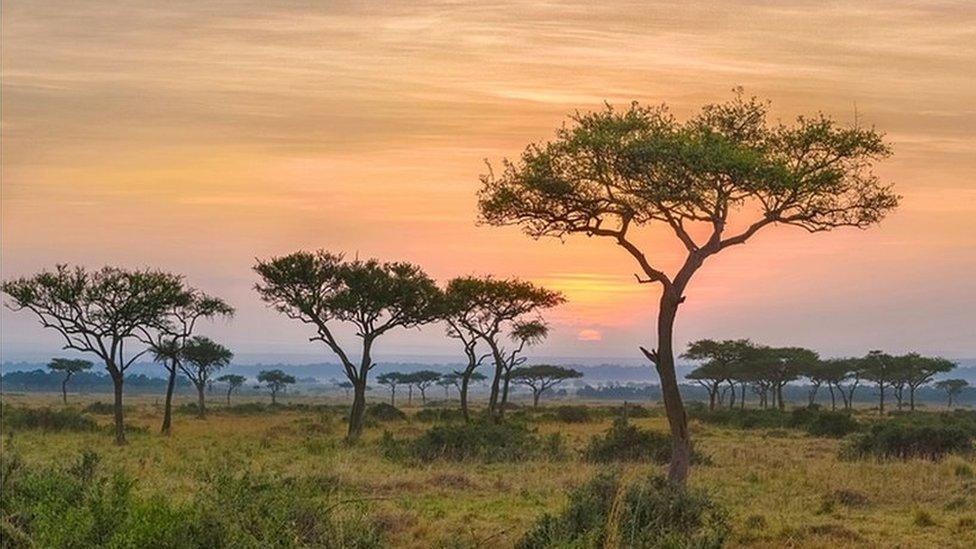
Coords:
385,412
814,421
46,419
898,440
573,414
101,408
479,441
652,512
439,414
626,442
79,506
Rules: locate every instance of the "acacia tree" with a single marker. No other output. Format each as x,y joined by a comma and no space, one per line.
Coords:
495,306
322,289
70,367
201,358
530,332
233,382
952,388
919,370
422,380
837,372
541,377
448,380
786,364
391,380
166,345
100,312
462,312
721,359
275,381
345,386
725,172
881,369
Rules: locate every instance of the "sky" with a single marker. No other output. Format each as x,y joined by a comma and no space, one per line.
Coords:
198,136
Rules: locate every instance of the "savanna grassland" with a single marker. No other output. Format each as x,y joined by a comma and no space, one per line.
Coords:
780,487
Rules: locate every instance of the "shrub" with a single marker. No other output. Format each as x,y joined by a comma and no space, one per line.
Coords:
814,421
626,442
906,440
46,419
573,414
385,412
439,414
79,506
653,512
478,441
100,408
826,424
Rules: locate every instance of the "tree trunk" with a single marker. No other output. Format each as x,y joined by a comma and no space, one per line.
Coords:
881,399
274,396
117,380
833,400
64,390
168,403
495,383
731,396
409,395
464,398
711,399
742,396
779,397
911,398
423,395
505,383
201,404
228,394
535,398
358,411
664,363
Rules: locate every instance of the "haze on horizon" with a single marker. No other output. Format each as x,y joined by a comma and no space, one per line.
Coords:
196,136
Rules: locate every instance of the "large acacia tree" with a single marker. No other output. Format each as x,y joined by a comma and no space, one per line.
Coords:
323,289
714,181
103,312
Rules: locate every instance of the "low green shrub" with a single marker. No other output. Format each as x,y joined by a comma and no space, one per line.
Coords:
651,513
821,423
439,415
814,421
385,412
101,408
897,440
483,441
80,506
46,419
573,414
626,442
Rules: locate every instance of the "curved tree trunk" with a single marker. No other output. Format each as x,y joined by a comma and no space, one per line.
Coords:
664,363
357,412
64,389
168,403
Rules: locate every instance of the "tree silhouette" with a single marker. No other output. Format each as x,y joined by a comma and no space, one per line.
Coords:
98,312
541,377
233,382
166,345
488,308
422,380
391,380
952,388
201,358
531,332
70,367
321,289
720,361
725,173
275,381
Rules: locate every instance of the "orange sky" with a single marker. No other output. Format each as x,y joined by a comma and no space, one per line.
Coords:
195,136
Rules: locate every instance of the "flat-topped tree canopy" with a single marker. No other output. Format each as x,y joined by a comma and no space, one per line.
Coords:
714,180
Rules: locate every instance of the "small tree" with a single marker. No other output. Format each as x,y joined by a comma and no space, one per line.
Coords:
70,367
322,289
721,358
166,345
541,377
452,379
391,380
345,386
98,312
919,370
842,375
275,381
610,172
201,358
233,382
952,388
524,333
422,380
881,369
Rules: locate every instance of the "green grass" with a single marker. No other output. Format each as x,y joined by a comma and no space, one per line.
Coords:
779,486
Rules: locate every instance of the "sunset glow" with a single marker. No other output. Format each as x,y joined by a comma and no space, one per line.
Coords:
195,137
